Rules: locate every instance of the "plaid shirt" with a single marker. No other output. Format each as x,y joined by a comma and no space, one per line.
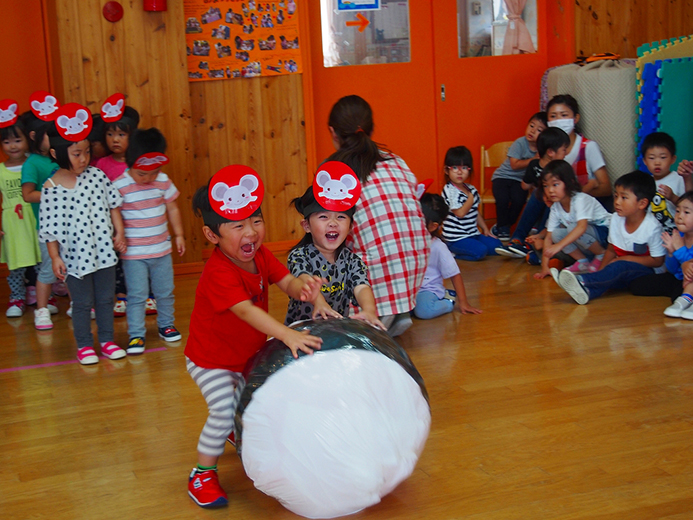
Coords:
389,233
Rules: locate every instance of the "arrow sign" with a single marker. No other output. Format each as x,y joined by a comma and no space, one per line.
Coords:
361,23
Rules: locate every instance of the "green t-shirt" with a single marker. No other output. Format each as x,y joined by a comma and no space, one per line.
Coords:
37,169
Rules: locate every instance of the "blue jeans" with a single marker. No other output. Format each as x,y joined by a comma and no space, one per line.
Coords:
616,276
474,248
535,212
138,274
429,306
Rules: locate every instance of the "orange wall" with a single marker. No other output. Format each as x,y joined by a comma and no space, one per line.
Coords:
488,99
26,71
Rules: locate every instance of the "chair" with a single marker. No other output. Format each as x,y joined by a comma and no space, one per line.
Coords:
491,157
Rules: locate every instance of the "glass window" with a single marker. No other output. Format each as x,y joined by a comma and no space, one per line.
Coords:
365,37
496,27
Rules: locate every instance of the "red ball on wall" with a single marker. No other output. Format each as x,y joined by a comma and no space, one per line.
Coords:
112,11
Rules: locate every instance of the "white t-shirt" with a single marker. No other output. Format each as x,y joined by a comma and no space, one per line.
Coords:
582,207
441,266
593,156
663,209
644,241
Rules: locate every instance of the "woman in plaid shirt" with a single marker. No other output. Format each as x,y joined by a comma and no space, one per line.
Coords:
389,231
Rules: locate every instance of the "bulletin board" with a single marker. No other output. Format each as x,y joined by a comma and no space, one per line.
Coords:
229,39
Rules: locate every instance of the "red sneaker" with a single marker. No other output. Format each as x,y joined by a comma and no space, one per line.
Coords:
231,439
204,489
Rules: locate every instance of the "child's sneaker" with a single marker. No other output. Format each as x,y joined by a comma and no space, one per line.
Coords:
532,258
120,308
59,289
506,251
450,295
594,265
150,307
112,351
687,314
31,295
204,489
571,284
519,248
52,307
87,356
15,308
42,319
675,310
581,266
136,346
231,439
169,333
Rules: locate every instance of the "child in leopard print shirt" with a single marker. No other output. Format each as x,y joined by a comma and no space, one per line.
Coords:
322,252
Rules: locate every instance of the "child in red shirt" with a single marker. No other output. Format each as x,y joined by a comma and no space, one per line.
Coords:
229,322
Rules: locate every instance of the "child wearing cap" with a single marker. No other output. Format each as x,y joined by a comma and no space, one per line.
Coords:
149,205
230,320
328,210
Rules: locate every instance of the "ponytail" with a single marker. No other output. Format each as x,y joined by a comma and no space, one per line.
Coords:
351,118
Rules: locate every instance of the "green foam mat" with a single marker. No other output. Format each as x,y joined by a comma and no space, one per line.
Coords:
676,105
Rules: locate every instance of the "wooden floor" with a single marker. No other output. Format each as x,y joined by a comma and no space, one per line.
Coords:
541,409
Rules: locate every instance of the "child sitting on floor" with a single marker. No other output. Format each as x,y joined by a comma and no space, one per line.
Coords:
433,299
552,144
659,155
578,223
635,242
461,227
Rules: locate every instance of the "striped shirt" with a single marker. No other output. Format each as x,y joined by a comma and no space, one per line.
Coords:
454,227
144,215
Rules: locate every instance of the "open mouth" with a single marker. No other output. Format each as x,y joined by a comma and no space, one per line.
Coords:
249,248
331,236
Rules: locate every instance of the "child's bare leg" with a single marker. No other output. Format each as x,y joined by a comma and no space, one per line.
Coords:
43,293
207,461
597,249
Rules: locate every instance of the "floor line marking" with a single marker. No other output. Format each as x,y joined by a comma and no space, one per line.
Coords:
58,363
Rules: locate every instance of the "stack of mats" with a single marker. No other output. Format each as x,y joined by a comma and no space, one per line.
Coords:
606,93
665,92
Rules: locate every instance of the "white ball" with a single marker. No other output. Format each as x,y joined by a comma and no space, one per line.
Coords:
332,433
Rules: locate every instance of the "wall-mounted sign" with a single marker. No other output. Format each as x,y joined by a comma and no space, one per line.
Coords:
241,39
358,5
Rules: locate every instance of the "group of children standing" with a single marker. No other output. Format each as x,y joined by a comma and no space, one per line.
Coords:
84,220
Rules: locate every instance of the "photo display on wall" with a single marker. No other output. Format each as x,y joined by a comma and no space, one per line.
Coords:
241,39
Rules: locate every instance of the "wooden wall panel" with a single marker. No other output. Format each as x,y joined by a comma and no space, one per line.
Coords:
258,122
208,125
622,26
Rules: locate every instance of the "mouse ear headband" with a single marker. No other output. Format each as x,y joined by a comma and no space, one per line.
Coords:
44,105
8,112
113,108
422,187
235,193
73,122
150,161
335,188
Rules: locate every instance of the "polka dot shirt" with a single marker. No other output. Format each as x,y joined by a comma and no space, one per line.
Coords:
79,219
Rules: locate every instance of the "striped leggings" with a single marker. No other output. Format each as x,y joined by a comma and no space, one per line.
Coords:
222,390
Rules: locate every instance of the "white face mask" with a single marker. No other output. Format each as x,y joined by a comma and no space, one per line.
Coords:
567,125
